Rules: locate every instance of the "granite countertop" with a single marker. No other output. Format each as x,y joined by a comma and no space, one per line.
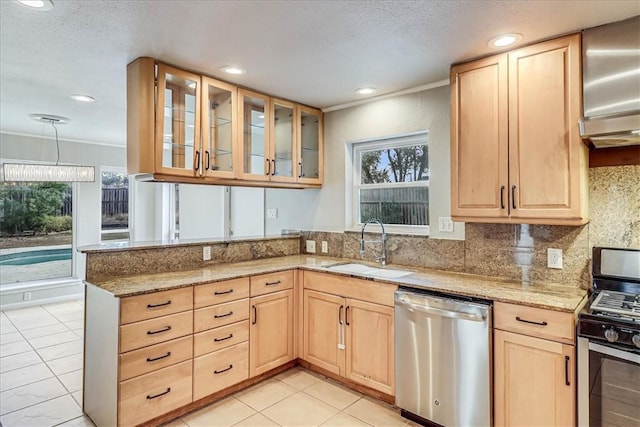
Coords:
542,295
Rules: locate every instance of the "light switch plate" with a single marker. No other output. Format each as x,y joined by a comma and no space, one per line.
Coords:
554,258
311,246
272,213
206,253
445,224
325,247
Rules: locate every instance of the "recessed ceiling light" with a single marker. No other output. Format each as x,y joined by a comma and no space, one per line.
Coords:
366,90
233,70
41,5
83,98
505,40
50,118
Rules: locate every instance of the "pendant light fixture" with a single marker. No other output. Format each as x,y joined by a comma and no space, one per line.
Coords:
43,172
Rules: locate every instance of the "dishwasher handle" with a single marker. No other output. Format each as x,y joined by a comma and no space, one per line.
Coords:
440,312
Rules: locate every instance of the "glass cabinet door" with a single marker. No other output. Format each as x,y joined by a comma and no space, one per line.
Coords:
218,127
310,135
254,140
178,122
282,141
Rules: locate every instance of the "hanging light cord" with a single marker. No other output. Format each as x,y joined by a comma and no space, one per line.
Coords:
57,143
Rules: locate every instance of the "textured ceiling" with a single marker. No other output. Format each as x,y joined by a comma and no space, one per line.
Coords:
313,52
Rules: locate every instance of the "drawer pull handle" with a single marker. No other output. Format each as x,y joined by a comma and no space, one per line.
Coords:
543,323
223,370
150,359
224,292
277,282
168,328
158,395
222,339
218,316
566,370
158,305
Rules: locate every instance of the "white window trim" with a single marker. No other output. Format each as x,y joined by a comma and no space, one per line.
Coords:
130,202
352,180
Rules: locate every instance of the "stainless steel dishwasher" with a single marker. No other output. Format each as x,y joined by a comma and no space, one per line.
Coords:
443,359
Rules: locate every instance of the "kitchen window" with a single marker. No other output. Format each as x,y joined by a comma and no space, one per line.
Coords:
391,183
115,205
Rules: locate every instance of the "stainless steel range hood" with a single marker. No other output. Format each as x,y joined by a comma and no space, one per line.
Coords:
611,84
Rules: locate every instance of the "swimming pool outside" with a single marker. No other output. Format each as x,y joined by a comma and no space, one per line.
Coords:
19,265
35,256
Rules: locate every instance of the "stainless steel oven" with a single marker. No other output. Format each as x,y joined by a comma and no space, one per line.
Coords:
609,342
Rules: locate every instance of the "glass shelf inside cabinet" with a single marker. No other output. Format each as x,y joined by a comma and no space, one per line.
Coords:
168,145
220,121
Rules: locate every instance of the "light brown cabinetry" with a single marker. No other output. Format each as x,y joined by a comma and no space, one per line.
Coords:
516,153
534,366
351,337
187,127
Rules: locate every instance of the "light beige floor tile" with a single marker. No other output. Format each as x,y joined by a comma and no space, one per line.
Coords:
79,332
62,307
38,321
77,396
257,420
298,378
375,413
226,412
35,310
66,364
54,339
61,350
82,421
72,380
70,316
265,394
14,348
300,410
11,337
17,361
30,394
24,376
7,327
344,420
334,395
44,331
175,423
45,414
75,324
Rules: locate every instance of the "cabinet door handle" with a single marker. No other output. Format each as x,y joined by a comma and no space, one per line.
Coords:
208,162
543,323
513,196
273,170
346,316
168,328
218,316
268,167
255,315
153,359
160,394
224,292
223,370
158,305
502,197
277,282
566,371
300,174
196,161
223,339
340,314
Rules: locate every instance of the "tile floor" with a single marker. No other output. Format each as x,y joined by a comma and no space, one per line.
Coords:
41,383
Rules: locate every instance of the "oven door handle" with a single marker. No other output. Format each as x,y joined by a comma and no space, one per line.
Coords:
614,352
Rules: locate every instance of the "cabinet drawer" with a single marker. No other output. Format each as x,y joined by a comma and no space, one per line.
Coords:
152,358
219,338
220,315
154,394
350,287
154,331
271,282
216,371
148,306
220,292
538,322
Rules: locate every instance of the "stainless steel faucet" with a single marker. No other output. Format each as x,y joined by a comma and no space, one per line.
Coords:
383,256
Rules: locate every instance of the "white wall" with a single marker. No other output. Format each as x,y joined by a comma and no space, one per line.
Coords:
202,211
324,210
247,211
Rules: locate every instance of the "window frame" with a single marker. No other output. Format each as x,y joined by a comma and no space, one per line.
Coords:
353,187
129,203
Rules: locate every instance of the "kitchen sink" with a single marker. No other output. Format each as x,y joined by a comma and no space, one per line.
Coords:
369,271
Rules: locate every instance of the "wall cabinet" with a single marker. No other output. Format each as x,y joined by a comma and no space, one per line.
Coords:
534,377
350,337
516,153
187,127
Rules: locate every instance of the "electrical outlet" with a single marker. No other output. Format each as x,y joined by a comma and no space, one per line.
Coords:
554,258
272,213
325,247
311,246
445,224
206,253
26,296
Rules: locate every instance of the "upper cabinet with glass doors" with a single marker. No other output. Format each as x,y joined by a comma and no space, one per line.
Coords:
185,127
